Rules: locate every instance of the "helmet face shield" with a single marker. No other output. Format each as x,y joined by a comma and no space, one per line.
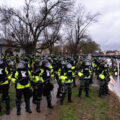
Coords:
87,63
21,65
69,66
62,62
40,63
105,65
11,63
1,62
47,65
37,62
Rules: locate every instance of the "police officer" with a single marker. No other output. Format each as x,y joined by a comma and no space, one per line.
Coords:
34,80
22,84
73,62
66,78
85,75
107,74
37,84
4,85
101,79
47,86
43,85
56,66
60,71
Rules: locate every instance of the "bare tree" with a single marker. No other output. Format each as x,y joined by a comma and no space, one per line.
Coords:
78,31
24,27
51,36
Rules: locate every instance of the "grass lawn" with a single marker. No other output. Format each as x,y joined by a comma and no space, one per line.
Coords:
12,100
93,108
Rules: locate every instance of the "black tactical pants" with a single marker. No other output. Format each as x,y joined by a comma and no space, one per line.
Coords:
91,80
35,89
101,88
59,91
4,90
27,94
106,90
74,82
84,85
66,89
43,90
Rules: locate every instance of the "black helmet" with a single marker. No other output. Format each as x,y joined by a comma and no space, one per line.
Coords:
62,62
102,65
21,64
106,65
37,62
46,63
9,62
87,63
26,59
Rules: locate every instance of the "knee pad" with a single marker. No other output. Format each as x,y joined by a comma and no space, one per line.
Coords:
63,90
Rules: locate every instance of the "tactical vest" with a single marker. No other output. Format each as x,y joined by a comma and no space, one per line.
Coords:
3,75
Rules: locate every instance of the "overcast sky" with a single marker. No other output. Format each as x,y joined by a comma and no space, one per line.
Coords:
106,31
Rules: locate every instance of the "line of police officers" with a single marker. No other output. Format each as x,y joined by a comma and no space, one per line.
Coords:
39,72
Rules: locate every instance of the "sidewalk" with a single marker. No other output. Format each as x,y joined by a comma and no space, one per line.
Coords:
43,115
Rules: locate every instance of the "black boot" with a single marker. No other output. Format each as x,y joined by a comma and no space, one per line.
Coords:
49,102
80,92
87,93
69,98
58,92
74,84
7,106
34,101
34,96
87,88
18,105
100,94
38,106
62,98
69,94
27,101
3,99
